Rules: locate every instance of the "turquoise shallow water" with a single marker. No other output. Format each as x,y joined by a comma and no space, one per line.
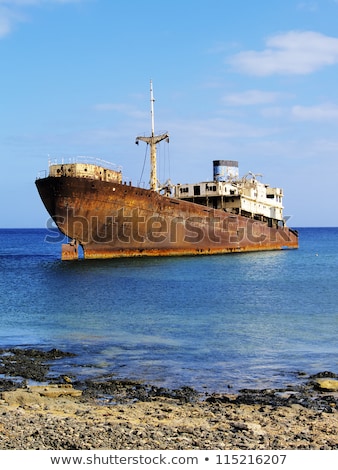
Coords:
245,320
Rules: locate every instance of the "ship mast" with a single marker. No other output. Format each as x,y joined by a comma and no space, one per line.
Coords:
153,140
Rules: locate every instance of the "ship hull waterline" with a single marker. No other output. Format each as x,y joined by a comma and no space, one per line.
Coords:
112,220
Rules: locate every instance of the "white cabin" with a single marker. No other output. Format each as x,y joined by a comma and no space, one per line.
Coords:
245,196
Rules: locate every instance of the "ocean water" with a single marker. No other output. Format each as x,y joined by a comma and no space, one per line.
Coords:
242,320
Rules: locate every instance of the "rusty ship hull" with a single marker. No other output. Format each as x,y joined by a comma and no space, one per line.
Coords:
114,220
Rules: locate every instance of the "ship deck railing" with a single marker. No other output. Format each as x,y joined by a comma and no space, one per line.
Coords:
85,159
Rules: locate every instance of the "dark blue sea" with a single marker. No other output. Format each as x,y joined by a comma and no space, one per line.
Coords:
250,320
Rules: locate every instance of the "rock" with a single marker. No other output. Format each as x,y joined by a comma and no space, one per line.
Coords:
34,394
256,429
325,374
55,390
67,379
329,385
239,426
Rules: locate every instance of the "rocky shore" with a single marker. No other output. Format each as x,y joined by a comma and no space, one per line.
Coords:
63,413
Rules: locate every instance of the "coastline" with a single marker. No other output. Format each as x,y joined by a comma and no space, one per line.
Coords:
122,414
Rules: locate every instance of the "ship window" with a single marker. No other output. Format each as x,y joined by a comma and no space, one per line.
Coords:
232,191
184,190
210,188
270,196
85,169
197,190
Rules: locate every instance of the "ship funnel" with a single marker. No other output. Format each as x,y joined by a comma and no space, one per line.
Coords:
225,170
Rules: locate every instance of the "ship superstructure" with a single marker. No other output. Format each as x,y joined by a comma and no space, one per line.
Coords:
246,196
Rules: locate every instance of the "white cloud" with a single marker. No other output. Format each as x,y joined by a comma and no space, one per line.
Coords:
12,12
324,112
250,97
5,22
294,52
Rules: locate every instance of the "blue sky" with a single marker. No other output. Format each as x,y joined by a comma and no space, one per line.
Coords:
253,81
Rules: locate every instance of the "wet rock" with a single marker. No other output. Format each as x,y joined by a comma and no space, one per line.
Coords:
30,364
126,391
325,374
220,398
10,384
